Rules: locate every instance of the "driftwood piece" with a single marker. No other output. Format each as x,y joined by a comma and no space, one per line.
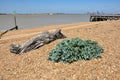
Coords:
36,42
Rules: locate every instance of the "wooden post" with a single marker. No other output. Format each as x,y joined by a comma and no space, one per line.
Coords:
90,18
16,27
14,13
15,20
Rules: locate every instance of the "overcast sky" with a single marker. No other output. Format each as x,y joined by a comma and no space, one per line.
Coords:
59,6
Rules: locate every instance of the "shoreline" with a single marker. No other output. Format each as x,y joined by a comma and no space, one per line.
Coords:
72,23
47,28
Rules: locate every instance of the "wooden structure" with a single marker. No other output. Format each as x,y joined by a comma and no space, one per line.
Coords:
104,17
14,28
36,42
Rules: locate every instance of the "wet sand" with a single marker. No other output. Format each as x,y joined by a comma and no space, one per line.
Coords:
34,65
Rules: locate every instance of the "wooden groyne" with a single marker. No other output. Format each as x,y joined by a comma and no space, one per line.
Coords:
14,28
104,17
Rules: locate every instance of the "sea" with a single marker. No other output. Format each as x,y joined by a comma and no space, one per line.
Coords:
39,20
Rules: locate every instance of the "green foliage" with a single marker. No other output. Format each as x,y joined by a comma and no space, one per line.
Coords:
74,50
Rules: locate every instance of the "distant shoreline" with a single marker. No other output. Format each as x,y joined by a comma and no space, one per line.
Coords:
45,14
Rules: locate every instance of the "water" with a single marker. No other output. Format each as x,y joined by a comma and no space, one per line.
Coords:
33,21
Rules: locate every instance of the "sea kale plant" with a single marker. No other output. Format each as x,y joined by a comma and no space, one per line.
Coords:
75,49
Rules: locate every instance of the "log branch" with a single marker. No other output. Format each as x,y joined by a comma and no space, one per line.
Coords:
36,42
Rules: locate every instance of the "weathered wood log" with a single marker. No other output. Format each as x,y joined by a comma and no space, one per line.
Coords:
36,42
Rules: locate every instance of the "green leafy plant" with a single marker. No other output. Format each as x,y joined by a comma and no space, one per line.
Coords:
74,50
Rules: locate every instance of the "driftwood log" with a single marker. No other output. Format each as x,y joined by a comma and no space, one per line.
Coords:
36,42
